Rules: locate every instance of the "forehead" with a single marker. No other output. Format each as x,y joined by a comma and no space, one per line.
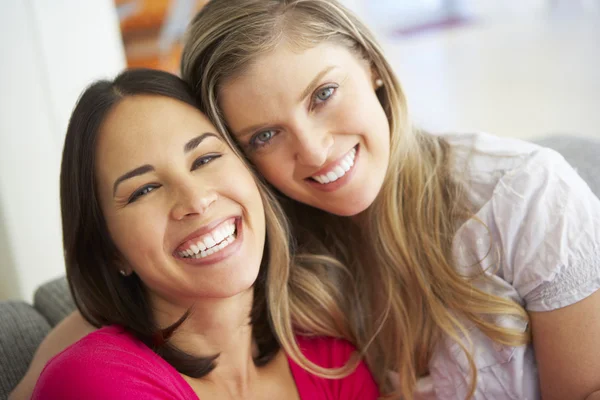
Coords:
146,114
144,120
287,64
140,128
276,79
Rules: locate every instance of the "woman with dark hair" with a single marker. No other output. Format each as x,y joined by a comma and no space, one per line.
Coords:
181,256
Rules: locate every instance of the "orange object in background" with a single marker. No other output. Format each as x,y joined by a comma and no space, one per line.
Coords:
142,24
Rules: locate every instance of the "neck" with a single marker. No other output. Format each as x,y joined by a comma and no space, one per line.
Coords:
217,327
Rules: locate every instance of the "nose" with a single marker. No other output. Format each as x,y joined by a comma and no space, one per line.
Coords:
192,199
313,146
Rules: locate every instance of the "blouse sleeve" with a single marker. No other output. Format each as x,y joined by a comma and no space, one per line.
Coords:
548,221
95,370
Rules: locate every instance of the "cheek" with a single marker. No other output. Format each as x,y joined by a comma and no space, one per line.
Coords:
276,165
247,194
136,235
367,118
240,185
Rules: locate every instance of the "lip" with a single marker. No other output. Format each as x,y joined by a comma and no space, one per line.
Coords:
206,228
329,167
222,254
333,186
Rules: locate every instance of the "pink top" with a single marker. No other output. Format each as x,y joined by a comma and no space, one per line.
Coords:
112,364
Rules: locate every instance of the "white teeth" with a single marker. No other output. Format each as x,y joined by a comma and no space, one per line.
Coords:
339,170
209,242
212,242
204,253
345,166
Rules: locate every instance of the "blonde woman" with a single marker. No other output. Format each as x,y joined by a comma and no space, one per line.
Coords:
166,253
470,250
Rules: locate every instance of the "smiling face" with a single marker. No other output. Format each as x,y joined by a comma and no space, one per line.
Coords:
184,212
312,124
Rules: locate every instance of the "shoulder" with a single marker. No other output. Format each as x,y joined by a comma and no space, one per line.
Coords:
108,363
483,151
480,160
545,221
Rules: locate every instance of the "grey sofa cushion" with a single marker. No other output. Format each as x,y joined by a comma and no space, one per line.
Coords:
22,329
53,300
582,153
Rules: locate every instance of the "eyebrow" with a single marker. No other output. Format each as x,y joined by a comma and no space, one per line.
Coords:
246,131
195,142
144,169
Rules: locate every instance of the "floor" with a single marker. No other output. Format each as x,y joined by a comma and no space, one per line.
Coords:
527,76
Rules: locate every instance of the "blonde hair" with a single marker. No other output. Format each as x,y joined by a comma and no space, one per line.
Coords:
410,292
302,292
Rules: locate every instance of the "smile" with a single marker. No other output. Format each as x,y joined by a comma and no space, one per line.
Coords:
212,242
337,170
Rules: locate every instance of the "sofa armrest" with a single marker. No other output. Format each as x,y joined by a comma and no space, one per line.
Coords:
53,300
22,329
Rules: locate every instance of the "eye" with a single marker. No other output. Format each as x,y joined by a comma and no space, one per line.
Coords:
142,192
206,159
323,94
262,138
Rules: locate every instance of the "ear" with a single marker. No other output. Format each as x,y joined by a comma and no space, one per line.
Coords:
123,267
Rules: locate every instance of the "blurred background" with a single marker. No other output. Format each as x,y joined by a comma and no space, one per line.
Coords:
526,69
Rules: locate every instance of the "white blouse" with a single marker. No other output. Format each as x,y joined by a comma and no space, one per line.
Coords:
540,245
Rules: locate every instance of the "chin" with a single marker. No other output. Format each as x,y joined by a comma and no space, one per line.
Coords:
356,206
231,290
358,203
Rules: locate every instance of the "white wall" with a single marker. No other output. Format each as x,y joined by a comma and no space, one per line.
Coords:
525,72
50,51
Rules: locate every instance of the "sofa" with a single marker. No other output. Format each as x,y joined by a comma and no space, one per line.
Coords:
23,326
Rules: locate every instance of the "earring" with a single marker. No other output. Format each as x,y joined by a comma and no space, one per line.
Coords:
378,82
123,272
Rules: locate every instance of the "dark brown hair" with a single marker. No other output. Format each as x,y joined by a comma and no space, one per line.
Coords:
102,294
